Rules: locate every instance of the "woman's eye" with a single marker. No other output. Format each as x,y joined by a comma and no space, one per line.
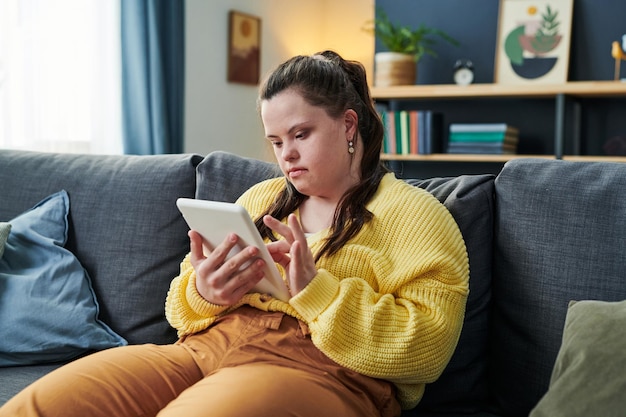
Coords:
300,135
276,144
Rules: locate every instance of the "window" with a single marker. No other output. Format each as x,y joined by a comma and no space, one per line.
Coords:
60,88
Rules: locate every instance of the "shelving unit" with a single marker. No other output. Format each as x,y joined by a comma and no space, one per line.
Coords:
449,157
573,90
445,91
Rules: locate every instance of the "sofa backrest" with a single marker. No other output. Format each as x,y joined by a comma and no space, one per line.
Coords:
560,234
124,227
223,176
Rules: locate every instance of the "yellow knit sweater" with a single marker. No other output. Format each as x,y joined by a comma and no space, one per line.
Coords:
390,304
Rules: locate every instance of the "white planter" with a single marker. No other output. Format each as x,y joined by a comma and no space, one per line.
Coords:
394,68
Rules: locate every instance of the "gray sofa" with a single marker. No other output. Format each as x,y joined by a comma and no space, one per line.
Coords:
539,235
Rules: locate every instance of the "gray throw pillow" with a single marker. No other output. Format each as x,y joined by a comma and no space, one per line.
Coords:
223,176
462,388
589,377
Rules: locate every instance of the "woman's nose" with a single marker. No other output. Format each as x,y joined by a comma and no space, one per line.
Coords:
289,152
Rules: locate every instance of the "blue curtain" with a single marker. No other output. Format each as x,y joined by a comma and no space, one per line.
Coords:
153,75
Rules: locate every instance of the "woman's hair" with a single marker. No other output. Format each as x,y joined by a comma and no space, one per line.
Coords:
328,81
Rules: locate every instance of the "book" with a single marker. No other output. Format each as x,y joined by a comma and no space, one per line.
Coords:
421,133
482,137
412,132
391,130
483,127
482,147
433,132
383,118
404,132
398,126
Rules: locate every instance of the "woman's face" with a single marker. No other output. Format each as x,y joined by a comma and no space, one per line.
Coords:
310,146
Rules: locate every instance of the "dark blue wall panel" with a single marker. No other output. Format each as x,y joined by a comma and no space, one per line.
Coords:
596,24
474,23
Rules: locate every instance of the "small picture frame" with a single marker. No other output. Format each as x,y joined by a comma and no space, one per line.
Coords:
244,48
533,41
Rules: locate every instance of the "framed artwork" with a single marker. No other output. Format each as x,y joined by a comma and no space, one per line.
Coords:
533,41
244,48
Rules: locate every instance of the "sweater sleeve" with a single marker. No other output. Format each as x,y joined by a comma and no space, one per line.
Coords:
185,309
400,318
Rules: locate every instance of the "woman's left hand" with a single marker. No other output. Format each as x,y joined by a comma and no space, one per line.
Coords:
292,252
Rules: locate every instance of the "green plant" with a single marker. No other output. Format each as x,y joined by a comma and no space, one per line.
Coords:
397,38
546,35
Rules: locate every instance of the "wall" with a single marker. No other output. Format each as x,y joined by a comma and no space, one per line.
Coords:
596,24
223,116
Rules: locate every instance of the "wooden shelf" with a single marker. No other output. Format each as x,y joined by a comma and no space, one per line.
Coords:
450,157
573,90
445,157
451,91
591,158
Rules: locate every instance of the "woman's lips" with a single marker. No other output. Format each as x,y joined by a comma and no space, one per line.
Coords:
296,172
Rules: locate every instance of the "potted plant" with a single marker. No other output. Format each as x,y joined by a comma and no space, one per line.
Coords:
406,47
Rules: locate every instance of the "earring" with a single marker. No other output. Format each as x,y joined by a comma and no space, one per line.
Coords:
351,147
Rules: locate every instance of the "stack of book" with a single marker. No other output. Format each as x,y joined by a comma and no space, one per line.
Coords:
412,132
483,138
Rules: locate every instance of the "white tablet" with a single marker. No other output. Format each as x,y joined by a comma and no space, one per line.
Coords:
214,220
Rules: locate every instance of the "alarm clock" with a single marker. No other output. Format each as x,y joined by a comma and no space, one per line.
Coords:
463,72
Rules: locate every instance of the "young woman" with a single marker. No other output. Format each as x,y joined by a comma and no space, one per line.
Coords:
377,270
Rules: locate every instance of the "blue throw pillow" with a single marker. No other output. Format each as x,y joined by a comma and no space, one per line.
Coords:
47,304
5,229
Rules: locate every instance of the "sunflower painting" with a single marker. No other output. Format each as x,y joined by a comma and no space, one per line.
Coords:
533,41
244,45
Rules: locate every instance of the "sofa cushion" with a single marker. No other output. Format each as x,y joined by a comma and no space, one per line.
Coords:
223,176
589,377
48,308
558,237
124,226
14,379
462,388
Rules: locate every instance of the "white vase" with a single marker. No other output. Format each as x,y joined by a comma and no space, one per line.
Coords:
394,68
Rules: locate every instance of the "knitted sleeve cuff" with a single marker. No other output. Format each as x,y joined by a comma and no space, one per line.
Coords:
316,296
186,310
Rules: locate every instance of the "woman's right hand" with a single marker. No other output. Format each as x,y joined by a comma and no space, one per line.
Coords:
220,281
